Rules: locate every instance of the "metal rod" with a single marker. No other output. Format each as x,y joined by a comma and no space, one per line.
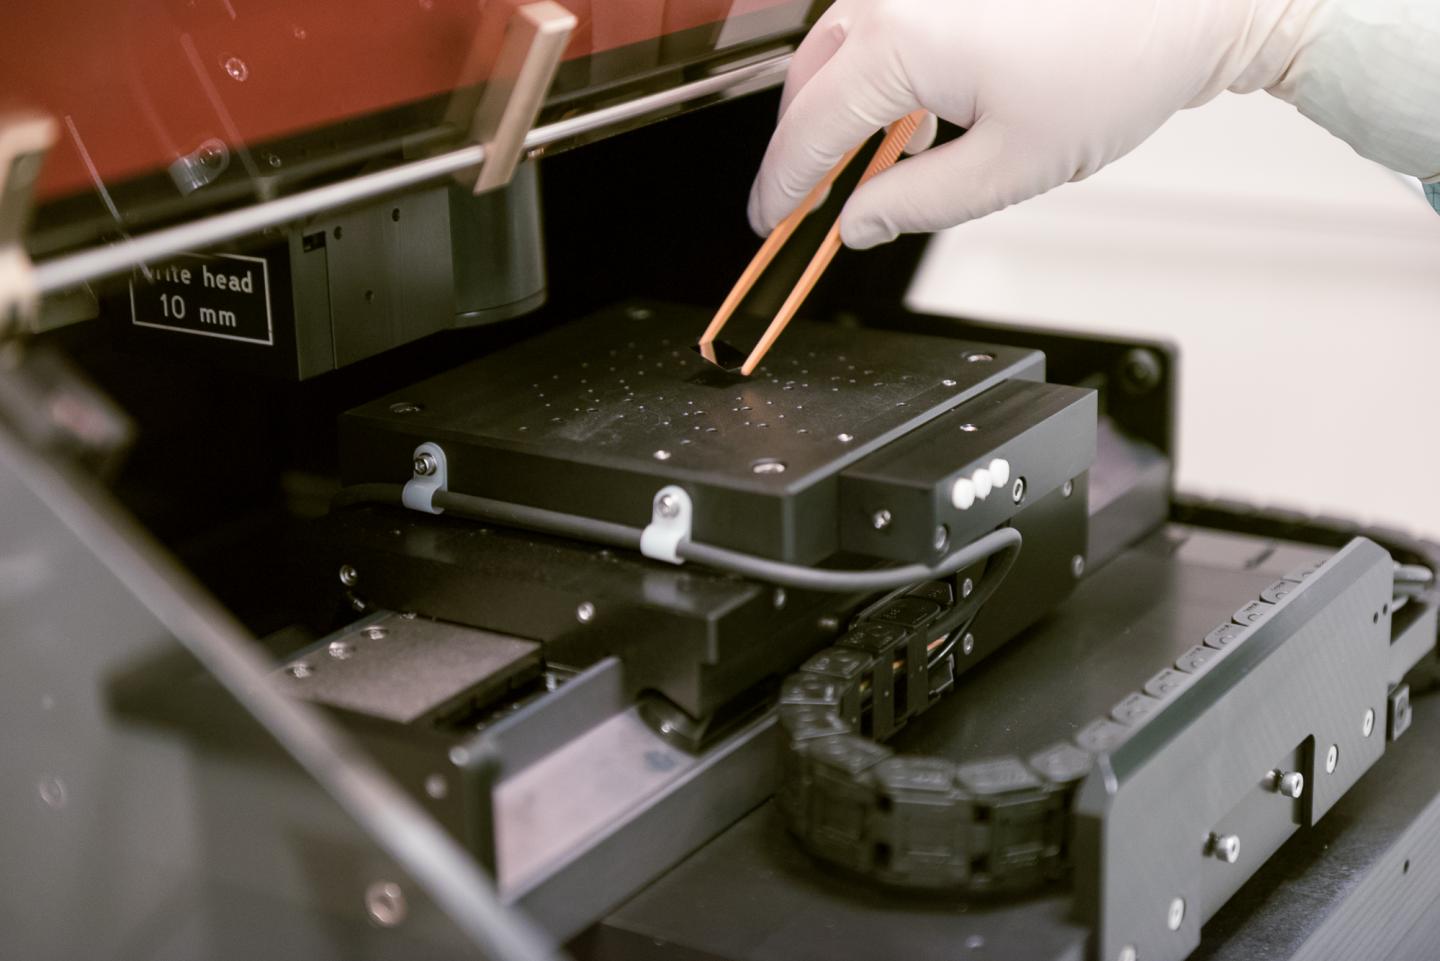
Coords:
64,272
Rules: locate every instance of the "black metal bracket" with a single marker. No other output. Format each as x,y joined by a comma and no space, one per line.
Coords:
1170,822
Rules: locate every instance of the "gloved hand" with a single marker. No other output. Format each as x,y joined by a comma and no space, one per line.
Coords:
1050,91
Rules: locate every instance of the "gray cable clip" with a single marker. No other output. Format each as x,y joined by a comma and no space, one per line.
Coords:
670,521
431,475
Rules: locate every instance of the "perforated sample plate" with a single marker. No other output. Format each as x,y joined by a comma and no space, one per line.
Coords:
593,417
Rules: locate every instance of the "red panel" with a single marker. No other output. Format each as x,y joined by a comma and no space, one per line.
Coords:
143,82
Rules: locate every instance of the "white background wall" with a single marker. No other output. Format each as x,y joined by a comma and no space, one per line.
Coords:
1301,283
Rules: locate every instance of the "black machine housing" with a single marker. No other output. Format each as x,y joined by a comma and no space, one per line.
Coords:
604,732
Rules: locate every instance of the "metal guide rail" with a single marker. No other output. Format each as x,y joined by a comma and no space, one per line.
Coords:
990,824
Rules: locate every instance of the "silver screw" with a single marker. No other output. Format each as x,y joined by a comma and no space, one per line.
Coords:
941,537
426,465
1289,783
299,671
967,644
880,519
1068,489
768,467
375,632
1367,726
779,598
967,587
404,406
340,650
668,505
1077,565
844,438
349,576
1017,490
640,313
385,903
661,455
1176,914
1332,758
948,382
980,357
585,613
1226,847
969,428
436,786
237,70
829,623
1127,953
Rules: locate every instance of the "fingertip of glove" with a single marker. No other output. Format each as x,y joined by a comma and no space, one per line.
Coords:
863,233
752,212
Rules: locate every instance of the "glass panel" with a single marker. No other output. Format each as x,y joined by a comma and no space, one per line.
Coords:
169,107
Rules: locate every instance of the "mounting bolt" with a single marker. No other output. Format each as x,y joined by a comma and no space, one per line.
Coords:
969,428
426,465
340,650
880,519
375,632
1017,491
941,538
385,903
967,587
661,455
1332,758
967,644
1367,726
1176,915
779,598
1291,784
585,613
1226,847
668,505
1127,953
1068,489
1077,565
349,576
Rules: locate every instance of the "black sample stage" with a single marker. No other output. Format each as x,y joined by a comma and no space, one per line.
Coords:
594,417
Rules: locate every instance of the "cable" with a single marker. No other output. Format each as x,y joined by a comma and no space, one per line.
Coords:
1005,541
1412,579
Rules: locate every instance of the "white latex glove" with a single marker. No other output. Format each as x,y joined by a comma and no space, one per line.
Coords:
1050,91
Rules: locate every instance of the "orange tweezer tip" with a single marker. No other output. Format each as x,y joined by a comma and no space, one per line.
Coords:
722,354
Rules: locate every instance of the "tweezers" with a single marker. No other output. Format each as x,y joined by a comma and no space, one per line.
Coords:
722,354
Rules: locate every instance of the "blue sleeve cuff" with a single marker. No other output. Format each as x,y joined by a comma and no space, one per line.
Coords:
1432,194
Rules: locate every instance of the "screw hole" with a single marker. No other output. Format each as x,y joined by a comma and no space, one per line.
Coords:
395,214
339,232
1375,618
1405,868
